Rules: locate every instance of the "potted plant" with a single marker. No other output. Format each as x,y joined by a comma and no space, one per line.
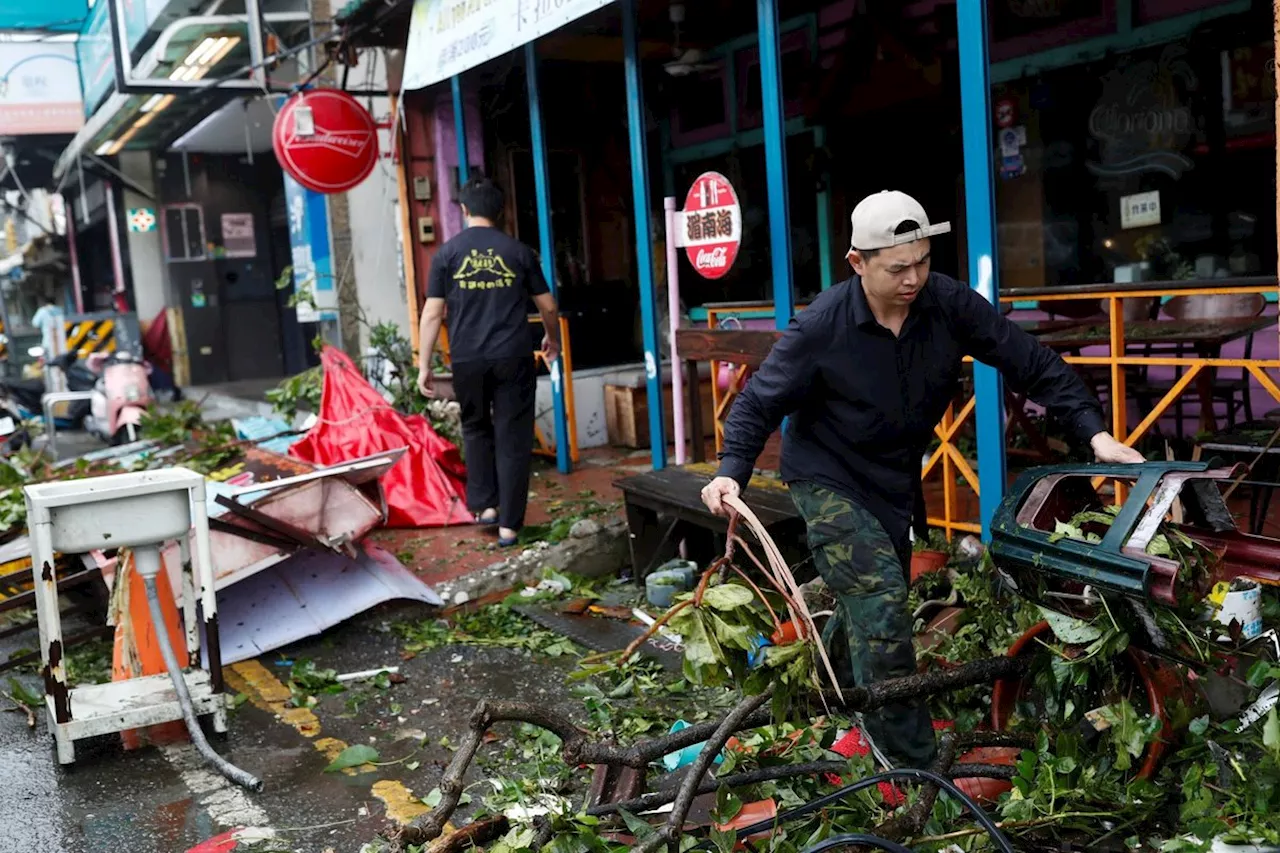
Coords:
929,555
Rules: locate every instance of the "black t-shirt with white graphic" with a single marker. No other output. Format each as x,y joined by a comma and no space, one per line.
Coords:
486,279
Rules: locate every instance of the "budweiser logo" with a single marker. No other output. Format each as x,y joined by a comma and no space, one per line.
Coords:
712,259
350,142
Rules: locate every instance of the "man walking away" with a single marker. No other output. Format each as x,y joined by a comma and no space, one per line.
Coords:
482,281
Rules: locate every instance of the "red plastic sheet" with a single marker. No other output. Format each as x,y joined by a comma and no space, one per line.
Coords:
426,488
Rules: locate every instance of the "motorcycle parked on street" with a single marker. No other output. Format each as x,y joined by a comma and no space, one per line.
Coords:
121,397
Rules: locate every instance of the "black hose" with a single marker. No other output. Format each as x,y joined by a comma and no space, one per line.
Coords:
983,819
226,768
860,839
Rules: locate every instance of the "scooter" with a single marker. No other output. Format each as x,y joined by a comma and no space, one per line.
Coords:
120,397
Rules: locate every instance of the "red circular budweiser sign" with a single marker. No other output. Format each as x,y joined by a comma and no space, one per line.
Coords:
712,225
325,140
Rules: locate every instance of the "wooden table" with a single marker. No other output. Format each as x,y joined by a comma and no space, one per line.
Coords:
1264,473
1205,337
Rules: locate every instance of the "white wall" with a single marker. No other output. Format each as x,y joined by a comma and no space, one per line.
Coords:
146,256
374,211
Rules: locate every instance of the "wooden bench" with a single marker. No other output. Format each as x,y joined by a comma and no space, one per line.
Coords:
665,507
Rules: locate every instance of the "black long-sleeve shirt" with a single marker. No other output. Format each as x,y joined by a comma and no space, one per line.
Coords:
863,404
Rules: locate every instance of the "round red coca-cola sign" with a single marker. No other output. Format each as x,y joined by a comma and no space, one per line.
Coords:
325,140
712,225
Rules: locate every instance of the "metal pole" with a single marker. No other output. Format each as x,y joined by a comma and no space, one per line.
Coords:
980,219
673,317
73,255
546,245
644,237
775,161
460,130
113,231
257,55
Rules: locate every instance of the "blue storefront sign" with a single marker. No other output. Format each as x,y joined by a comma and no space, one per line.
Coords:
312,263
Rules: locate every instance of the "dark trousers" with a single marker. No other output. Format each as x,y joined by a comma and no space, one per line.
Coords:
866,569
497,402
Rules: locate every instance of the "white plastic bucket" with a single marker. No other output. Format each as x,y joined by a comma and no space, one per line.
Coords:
1240,601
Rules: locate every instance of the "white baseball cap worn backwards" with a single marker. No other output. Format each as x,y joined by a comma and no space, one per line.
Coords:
878,216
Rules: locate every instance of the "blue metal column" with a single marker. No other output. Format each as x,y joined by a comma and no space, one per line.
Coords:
980,224
775,160
825,272
644,236
460,129
546,245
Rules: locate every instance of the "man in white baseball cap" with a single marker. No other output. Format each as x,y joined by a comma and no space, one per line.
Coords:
865,373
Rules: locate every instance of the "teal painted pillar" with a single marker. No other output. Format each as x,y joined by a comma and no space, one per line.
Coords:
460,129
644,234
980,219
775,161
546,246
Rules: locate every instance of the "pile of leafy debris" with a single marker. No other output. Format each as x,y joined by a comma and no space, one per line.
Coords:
1089,698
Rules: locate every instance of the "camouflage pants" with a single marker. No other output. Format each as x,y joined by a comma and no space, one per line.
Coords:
864,570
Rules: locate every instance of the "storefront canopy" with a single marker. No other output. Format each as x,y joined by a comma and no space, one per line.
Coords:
57,16
447,38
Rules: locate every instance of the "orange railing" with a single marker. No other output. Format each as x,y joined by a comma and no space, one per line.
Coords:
955,469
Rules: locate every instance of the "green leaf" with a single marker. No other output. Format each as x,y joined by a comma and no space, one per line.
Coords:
733,636
725,840
353,756
1199,725
1069,630
1065,765
637,827
727,596
433,799
1271,733
23,695
624,689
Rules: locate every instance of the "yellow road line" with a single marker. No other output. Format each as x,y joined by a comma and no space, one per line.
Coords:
267,692
402,805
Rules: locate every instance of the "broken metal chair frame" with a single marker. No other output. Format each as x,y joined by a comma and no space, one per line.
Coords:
51,399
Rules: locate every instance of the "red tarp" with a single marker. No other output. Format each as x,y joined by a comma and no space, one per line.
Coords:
426,488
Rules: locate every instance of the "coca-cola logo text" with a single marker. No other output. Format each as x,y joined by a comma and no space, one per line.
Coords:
713,259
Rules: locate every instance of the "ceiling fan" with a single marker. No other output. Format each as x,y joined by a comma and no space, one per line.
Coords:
687,61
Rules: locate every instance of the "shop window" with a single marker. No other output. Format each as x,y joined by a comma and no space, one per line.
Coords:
1020,27
184,233
1150,11
796,59
699,110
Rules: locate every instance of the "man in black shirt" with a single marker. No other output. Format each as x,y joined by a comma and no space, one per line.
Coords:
865,373
482,280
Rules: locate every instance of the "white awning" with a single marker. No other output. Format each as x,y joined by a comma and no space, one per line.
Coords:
446,38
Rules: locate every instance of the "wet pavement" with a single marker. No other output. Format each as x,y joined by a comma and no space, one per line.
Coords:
163,799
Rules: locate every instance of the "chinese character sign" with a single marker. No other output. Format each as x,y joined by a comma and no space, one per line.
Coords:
710,226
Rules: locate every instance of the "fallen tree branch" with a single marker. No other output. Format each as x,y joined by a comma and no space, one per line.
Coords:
776,773
578,750
880,693
653,629
982,771
913,820
22,706
473,835
688,788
